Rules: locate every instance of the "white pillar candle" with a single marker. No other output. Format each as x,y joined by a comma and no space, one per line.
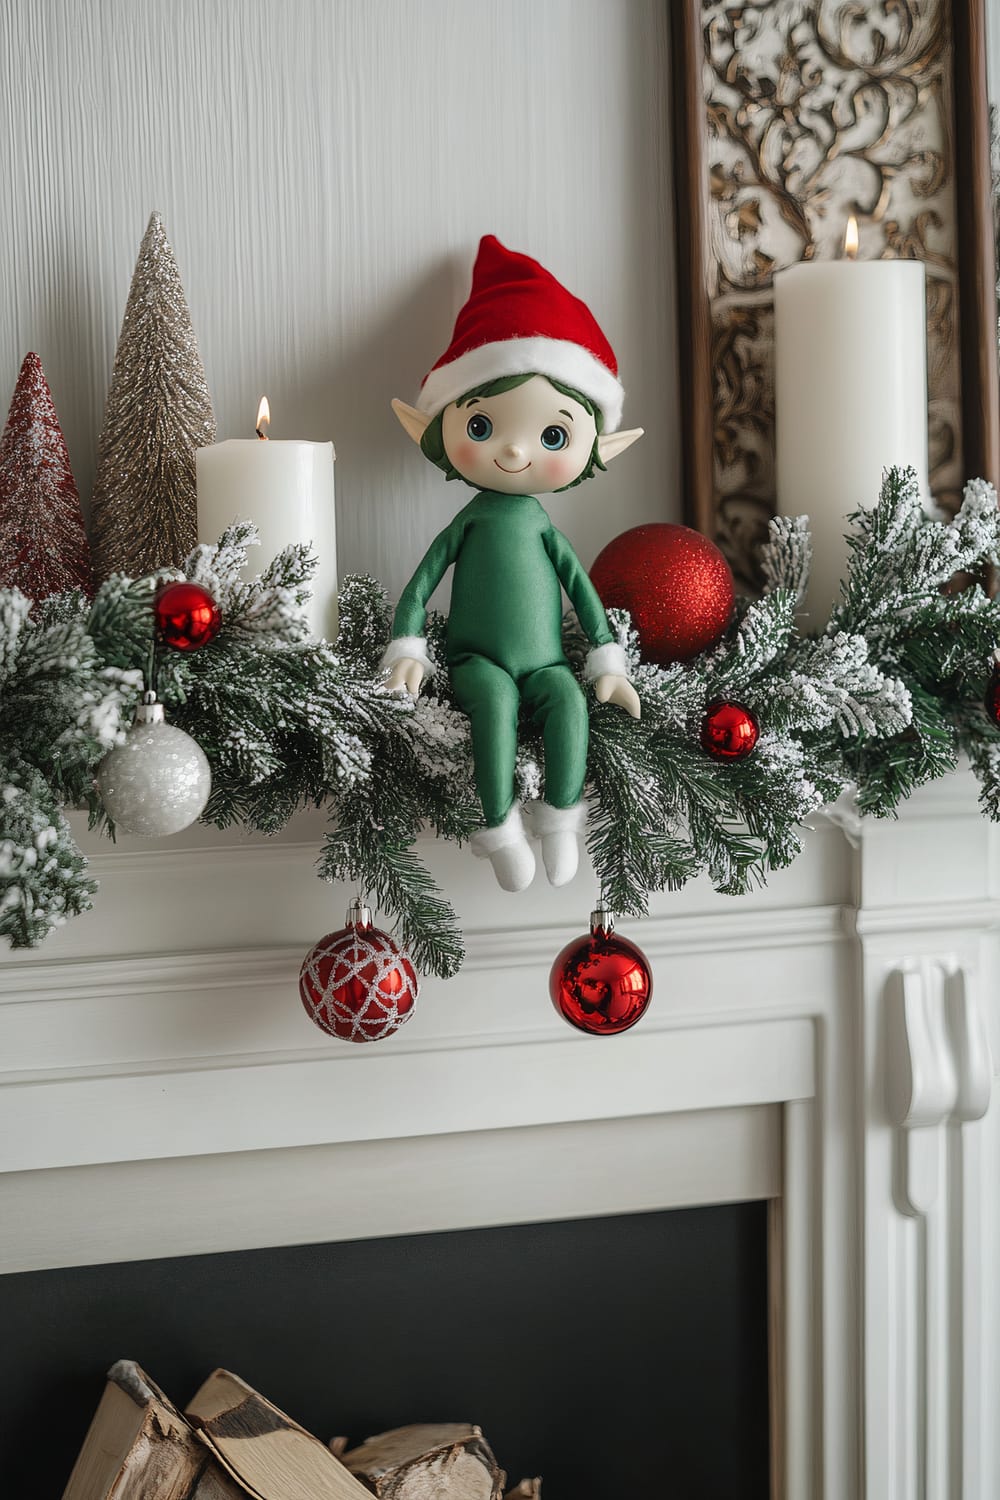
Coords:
286,489
850,398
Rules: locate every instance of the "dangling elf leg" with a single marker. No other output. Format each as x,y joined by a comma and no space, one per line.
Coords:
489,696
553,698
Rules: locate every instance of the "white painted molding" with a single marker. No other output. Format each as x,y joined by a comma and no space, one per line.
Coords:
68,980
197,1204
970,1046
941,914
930,1160
938,1067
84,1118
921,1078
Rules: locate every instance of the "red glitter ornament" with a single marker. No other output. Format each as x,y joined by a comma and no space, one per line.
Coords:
991,701
729,731
43,546
187,616
357,984
675,584
601,983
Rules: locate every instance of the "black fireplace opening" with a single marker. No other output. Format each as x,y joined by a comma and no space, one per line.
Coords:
617,1356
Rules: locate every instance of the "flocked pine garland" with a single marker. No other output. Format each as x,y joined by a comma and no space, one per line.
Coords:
884,699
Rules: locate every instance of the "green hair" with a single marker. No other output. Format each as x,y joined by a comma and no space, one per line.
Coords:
432,442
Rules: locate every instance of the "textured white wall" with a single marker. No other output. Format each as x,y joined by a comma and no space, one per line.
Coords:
325,169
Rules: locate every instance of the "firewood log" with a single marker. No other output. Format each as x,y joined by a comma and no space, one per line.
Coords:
140,1446
431,1461
263,1448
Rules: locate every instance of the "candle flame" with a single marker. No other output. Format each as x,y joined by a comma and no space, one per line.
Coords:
851,239
263,418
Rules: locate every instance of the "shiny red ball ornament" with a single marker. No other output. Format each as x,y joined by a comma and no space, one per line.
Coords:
675,584
187,616
991,702
729,731
601,983
357,984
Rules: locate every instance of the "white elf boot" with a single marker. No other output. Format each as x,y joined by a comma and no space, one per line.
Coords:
508,851
559,829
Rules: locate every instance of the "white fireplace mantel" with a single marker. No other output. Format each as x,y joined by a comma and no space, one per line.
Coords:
826,1044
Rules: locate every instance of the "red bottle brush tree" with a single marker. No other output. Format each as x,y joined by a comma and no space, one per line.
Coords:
43,544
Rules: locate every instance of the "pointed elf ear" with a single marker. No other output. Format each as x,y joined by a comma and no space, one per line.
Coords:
415,422
610,444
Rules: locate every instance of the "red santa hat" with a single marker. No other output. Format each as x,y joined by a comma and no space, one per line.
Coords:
520,320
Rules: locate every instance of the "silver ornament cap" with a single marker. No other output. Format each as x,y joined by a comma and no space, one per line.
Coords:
159,781
602,918
358,914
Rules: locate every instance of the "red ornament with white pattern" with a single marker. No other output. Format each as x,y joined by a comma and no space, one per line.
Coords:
601,983
729,731
187,617
358,984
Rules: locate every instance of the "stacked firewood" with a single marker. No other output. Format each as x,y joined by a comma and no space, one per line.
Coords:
230,1442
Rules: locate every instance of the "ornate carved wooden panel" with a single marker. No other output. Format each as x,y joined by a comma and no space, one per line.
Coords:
791,115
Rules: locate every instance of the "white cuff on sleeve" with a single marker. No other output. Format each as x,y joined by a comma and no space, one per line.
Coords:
609,658
412,646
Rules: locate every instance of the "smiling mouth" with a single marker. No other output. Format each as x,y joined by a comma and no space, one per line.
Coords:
512,471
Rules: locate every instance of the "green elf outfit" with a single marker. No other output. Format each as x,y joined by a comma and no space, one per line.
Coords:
504,637
504,640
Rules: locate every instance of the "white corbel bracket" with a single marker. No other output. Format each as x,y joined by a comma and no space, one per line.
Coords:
938,1066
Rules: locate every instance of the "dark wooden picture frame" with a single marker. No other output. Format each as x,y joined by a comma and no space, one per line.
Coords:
961,27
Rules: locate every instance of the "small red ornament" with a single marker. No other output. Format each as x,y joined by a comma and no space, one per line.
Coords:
991,701
601,983
187,616
675,584
357,984
729,731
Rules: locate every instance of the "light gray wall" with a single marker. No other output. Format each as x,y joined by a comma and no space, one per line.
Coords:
325,169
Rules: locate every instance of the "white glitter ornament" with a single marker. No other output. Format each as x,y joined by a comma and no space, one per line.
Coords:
157,782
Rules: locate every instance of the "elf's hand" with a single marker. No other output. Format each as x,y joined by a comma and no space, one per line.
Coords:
611,688
406,673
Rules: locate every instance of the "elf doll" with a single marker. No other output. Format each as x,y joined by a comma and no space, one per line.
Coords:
524,401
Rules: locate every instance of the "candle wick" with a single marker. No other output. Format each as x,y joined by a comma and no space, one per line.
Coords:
261,435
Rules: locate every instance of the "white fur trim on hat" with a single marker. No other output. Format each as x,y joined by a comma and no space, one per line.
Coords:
411,647
566,362
609,658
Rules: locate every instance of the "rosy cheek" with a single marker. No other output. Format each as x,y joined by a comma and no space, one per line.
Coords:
559,471
464,456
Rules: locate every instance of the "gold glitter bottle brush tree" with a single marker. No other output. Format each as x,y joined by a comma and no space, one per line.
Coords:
158,413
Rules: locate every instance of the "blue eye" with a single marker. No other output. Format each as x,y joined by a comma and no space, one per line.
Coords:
555,438
479,427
